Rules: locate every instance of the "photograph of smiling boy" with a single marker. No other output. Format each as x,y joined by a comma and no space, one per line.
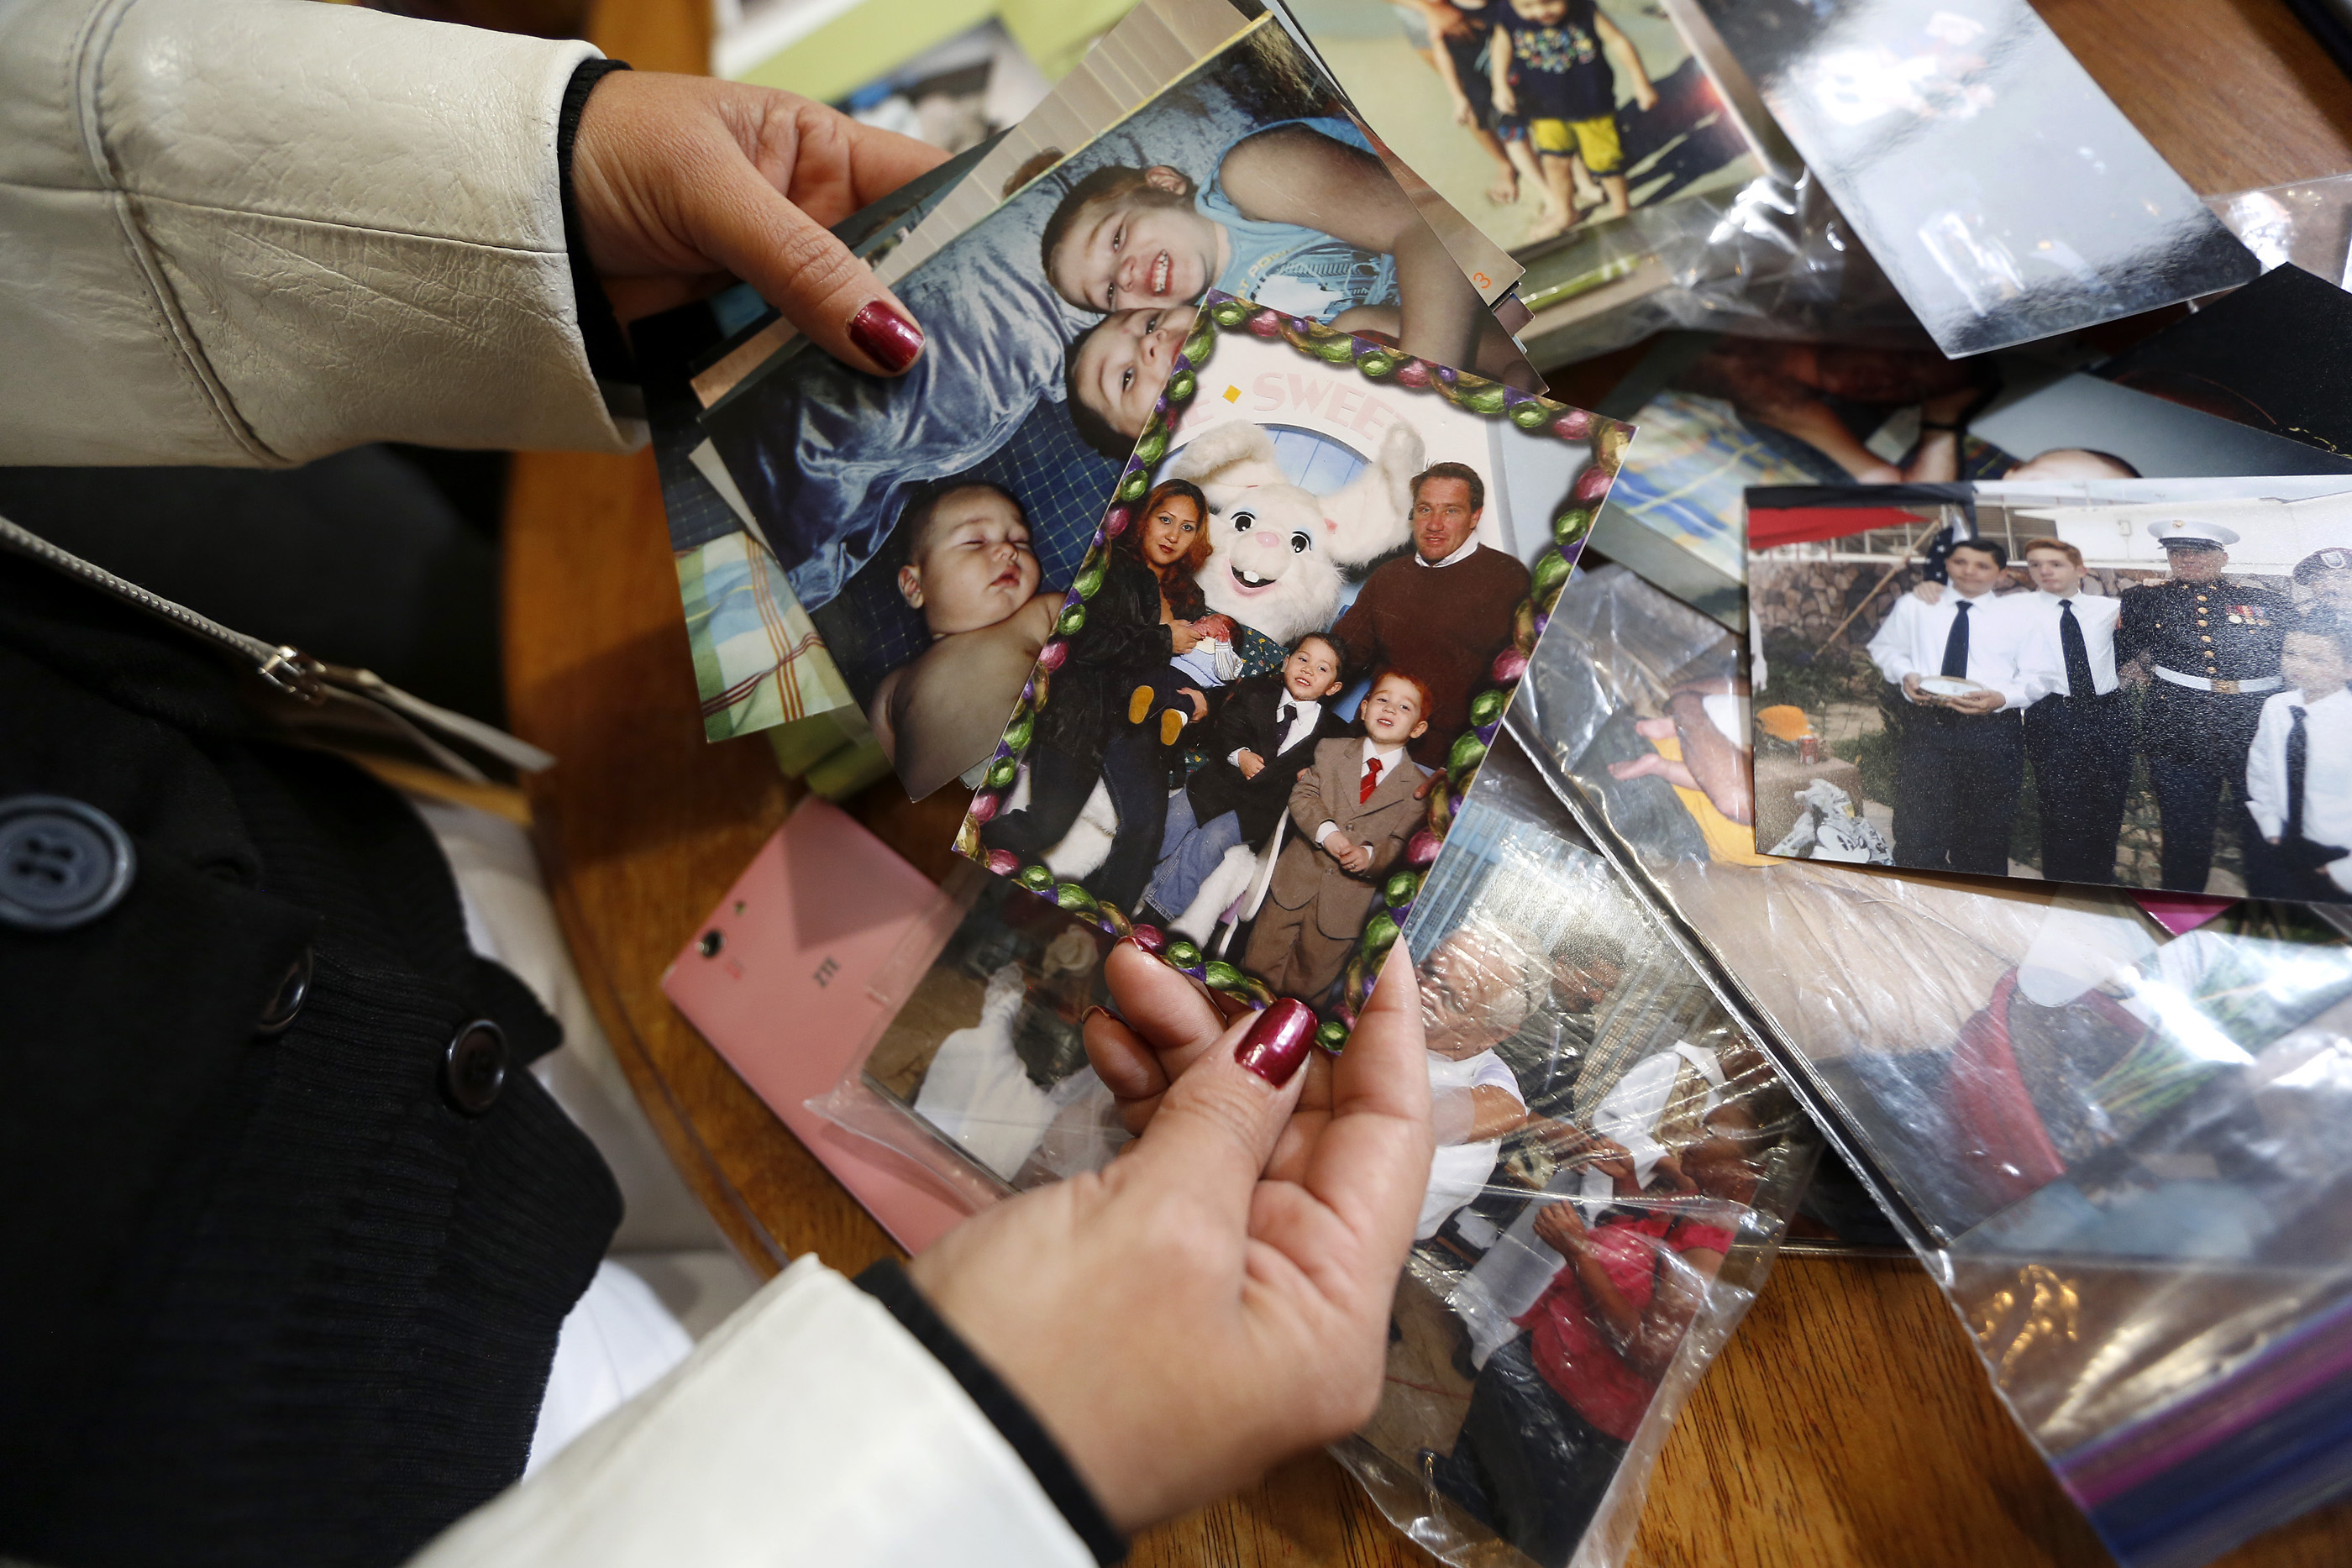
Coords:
1264,735
1043,392
1301,217
1352,810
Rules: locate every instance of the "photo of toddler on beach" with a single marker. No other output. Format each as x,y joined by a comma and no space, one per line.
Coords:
1536,118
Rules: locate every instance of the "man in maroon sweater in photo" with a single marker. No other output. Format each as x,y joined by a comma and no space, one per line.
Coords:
1444,613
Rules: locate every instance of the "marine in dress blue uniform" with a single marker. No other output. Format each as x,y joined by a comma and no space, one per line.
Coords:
2210,650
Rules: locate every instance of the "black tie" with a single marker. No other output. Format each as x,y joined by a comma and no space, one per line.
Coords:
1956,645
2079,682
2299,759
1282,717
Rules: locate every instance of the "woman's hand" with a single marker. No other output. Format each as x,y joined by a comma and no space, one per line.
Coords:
1200,703
1217,1298
1561,1228
684,183
1183,635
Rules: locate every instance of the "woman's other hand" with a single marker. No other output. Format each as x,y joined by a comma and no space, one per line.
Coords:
684,183
1218,1299
1559,1227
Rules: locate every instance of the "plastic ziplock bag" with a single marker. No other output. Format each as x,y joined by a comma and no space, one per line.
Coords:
2124,1155
1774,258
2308,223
980,1076
1514,1407
1617,1163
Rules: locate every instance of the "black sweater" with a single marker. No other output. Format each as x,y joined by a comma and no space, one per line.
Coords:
276,1300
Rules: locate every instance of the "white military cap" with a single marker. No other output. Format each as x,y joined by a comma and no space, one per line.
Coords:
2180,531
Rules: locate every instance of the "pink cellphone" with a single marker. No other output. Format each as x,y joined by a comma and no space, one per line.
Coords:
795,974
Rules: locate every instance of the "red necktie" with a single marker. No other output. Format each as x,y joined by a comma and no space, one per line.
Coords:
1372,779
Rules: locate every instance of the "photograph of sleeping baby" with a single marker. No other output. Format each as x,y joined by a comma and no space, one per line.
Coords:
2129,683
1615,1164
1050,327
1233,734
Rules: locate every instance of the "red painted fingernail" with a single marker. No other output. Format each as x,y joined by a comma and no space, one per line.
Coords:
888,338
1151,938
1277,1041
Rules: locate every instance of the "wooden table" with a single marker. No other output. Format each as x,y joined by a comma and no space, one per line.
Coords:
1849,1422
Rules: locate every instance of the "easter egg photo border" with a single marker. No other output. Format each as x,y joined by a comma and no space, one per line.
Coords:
1378,361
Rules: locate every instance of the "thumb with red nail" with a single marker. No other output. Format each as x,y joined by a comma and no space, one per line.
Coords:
1216,1299
683,183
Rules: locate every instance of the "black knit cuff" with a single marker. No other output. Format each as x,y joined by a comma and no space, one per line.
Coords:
600,330
888,1284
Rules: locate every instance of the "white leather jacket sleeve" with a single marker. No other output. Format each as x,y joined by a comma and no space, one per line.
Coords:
810,1430
259,230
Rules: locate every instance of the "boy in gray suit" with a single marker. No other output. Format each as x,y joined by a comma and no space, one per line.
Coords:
1353,812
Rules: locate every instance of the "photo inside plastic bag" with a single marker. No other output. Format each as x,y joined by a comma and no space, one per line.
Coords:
2126,1155
1615,1166
986,1051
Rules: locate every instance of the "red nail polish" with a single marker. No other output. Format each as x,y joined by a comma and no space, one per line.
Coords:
1277,1043
891,340
1150,938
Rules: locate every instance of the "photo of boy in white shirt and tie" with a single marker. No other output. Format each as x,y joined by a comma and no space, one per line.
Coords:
2078,721
2299,773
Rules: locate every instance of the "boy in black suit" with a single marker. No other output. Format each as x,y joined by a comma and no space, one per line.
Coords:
1262,735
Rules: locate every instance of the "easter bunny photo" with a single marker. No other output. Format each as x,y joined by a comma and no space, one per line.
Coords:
1286,651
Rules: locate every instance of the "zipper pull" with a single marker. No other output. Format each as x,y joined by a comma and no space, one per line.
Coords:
331,696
